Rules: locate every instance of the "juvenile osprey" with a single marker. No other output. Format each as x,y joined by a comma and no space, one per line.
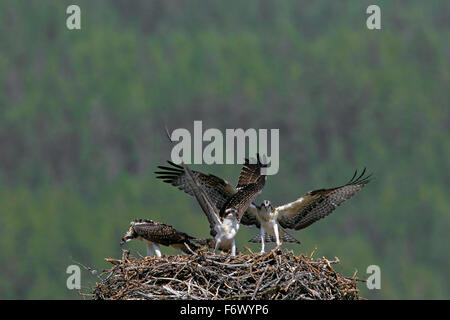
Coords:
300,213
155,233
224,223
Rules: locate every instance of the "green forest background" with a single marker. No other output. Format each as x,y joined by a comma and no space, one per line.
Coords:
82,117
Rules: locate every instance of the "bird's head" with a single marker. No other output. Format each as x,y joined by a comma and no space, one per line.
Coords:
231,213
130,235
267,206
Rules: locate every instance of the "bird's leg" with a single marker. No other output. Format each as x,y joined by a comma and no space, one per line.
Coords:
262,239
277,236
233,248
157,250
217,245
150,252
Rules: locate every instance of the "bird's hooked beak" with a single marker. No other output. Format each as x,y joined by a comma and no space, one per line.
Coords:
127,237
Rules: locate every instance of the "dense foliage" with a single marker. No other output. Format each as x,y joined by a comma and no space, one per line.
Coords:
82,117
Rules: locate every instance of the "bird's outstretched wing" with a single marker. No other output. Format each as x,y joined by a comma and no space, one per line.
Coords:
245,195
217,189
250,184
318,204
203,199
250,172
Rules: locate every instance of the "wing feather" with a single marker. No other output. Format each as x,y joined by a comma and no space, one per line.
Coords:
250,184
318,204
217,189
204,201
160,233
250,172
242,199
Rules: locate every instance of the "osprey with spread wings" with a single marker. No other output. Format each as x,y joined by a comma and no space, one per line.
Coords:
301,213
223,205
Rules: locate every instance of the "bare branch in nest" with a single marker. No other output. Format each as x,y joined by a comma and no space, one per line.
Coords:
203,275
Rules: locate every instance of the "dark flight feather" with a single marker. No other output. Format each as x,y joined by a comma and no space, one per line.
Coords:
318,204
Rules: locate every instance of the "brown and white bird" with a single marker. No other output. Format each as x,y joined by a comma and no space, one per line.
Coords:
224,222
155,233
300,213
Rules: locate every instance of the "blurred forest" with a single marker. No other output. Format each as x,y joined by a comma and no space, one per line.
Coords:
82,117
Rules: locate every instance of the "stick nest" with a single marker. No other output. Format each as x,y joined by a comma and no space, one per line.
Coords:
203,276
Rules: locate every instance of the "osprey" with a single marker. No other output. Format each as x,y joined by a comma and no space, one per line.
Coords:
155,233
300,213
224,223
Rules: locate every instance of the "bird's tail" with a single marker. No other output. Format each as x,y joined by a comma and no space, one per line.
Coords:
208,242
286,237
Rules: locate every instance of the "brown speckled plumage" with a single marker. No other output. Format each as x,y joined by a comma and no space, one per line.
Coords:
318,204
218,190
159,233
